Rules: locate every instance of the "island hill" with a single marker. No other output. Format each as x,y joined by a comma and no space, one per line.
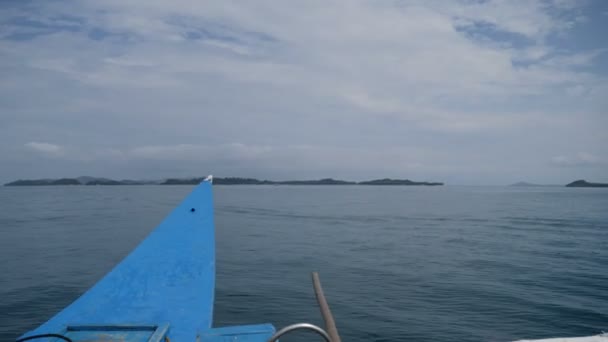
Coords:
216,181
77,181
584,184
324,181
576,184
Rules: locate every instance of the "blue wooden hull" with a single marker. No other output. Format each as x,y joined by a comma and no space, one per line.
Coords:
163,288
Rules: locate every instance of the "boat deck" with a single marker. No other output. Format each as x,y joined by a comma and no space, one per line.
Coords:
167,281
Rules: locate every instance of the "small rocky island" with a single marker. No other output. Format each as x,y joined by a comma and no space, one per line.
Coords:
388,181
85,180
253,181
581,183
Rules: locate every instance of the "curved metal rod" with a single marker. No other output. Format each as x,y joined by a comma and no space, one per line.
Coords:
33,337
297,326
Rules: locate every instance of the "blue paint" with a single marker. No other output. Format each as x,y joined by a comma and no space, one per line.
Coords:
166,281
243,333
133,333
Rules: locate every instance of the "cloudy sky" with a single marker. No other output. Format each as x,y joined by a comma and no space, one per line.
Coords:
466,92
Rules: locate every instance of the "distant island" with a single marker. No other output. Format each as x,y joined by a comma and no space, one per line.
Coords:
253,181
85,180
581,183
388,181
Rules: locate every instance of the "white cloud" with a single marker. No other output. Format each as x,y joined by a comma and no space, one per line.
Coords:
45,148
314,81
579,159
574,60
348,45
290,158
234,151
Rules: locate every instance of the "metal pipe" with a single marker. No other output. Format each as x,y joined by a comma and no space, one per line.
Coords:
297,326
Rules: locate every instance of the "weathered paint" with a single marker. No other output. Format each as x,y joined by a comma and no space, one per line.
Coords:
242,333
168,278
105,333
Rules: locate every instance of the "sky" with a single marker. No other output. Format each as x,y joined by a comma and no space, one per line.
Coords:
465,92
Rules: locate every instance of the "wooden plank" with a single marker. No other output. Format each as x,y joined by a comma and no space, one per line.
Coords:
330,324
